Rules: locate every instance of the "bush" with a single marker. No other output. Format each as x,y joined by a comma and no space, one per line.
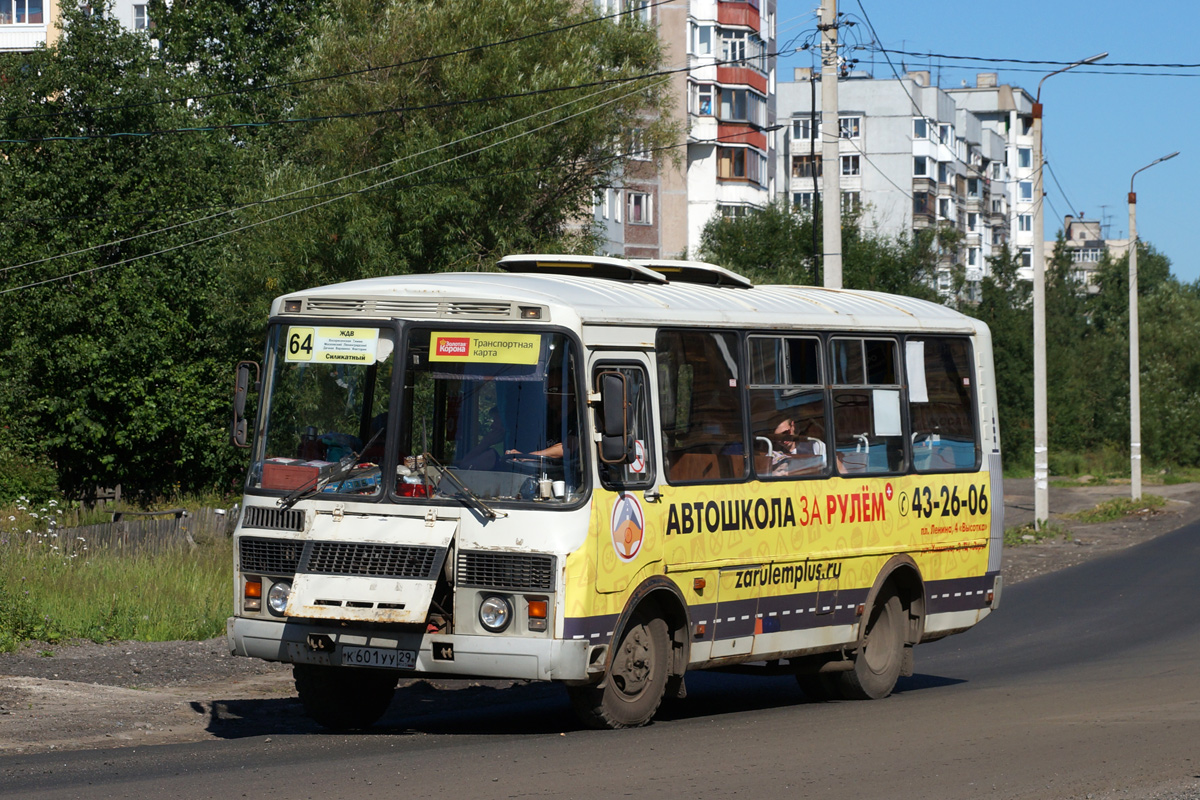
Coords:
19,478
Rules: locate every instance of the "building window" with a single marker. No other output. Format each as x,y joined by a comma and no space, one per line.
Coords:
1025,255
742,105
849,127
943,170
806,166
920,128
742,49
851,166
997,206
741,164
994,168
944,133
1025,157
972,256
21,12
972,221
702,99
802,200
921,166
921,203
702,39
974,187
1024,222
851,202
638,208
1025,190
734,212
944,207
1087,254
140,20
806,128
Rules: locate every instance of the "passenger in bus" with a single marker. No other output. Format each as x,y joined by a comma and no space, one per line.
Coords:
797,452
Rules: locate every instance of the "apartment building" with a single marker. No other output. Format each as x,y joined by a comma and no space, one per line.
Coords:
28,24
909,158
1084,239
724,103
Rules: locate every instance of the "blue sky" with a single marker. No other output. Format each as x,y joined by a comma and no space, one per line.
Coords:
1099,126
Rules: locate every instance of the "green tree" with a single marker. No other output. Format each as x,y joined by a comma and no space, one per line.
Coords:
437,163
112,366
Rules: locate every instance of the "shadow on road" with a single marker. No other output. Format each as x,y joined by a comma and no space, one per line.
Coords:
507,708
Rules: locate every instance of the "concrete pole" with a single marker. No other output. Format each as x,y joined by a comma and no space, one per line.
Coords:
1135,372
1135,380
831,165
1041,453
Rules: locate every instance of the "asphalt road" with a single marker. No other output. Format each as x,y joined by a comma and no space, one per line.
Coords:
1086,684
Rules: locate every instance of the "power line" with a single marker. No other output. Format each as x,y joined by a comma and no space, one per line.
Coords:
339,75
1038,62
294,212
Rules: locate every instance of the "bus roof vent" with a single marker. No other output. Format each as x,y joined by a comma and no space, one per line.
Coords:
695,272
613,269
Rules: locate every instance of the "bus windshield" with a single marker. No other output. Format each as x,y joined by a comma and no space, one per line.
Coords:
328,395
498,409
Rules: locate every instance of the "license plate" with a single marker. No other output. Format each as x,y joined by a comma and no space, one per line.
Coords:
379,657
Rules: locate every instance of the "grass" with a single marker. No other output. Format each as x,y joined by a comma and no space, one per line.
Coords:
1019,535
1119,507
54,586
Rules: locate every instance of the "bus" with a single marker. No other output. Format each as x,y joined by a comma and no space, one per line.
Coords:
607,473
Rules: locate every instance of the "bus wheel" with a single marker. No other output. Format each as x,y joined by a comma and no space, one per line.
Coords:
878,663
344,698
636,679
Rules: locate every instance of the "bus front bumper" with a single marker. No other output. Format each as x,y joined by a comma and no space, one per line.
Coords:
454,655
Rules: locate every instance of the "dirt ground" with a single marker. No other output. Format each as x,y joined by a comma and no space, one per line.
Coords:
82,695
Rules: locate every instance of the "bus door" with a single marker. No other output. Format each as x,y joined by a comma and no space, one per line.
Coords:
627,514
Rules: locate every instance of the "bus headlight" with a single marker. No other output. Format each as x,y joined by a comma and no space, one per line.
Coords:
277,598
495,612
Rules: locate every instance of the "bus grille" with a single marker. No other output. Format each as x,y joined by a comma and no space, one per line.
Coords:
374,560
276,519
270,556
515,571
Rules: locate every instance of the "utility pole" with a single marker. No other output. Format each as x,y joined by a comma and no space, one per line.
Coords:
1041,450
1135,380
831,132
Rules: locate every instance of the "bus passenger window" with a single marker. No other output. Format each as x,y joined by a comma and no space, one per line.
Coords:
787,406
941,404
868,429
701,404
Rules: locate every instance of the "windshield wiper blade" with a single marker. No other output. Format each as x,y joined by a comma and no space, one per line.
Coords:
476,501
344,468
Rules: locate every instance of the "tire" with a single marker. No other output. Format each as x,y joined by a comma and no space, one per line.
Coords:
636,680
344,698
878,662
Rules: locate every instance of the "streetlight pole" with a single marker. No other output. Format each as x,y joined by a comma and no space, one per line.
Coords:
831,137
1135,379
1041,453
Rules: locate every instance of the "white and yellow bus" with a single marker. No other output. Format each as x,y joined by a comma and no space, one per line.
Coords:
608,473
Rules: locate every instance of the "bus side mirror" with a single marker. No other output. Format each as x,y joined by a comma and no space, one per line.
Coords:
240,388
613,416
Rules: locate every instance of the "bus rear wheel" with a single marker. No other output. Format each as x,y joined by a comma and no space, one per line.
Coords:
344,698
636,680
879,660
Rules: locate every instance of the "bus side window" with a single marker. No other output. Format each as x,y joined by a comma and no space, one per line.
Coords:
701,401
868,428
941,404
787,406
641,472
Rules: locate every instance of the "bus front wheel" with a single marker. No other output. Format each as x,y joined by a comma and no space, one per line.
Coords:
879,660
344,698
636,680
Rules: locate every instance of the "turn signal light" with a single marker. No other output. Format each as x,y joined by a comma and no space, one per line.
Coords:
537,609
252,596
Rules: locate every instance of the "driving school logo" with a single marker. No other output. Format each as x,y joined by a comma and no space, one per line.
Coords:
628,527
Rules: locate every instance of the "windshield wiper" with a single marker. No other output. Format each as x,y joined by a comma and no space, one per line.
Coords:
487,510
344,468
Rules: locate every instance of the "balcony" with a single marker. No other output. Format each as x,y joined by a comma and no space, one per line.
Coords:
22,38
745,76
739,12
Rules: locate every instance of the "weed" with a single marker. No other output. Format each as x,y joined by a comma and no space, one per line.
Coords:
1029,533
1119,507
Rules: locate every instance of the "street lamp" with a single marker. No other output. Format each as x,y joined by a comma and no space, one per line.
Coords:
1041,465
1135,380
